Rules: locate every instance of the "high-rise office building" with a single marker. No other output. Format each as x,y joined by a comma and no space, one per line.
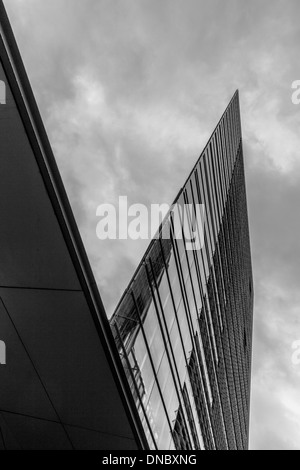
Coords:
174,371
184,325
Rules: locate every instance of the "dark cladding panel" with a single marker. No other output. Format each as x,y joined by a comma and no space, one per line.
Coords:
62,343
35,434
84,439
27,216
21,390
63,380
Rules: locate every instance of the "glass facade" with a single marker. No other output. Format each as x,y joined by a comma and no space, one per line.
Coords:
183,328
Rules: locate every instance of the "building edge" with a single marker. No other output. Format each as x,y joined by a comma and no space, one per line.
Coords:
33,124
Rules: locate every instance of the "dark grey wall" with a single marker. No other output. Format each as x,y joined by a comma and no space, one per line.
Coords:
57,389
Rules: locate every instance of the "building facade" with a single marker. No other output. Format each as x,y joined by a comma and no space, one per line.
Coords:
183,328
172,370
62,382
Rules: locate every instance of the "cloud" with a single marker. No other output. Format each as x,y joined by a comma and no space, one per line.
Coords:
130,92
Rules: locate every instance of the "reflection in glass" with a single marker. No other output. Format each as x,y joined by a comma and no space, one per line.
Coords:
169,323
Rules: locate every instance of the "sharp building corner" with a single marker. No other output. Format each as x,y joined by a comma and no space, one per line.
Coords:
62,385
171,370
184,326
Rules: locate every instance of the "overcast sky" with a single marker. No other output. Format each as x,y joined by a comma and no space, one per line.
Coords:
129,91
